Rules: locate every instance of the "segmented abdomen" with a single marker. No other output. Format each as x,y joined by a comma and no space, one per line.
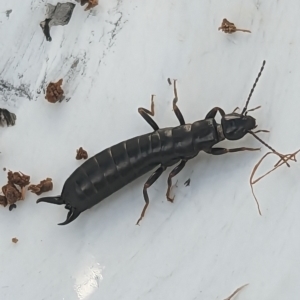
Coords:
115,167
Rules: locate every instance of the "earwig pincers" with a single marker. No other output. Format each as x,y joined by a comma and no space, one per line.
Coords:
113,168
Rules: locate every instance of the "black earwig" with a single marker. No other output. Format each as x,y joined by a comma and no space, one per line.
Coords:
113,168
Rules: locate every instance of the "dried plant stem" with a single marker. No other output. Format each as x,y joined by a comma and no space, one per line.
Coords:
283,160
268,146
290,156
235,292
244,30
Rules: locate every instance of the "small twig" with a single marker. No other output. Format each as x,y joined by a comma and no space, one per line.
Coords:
291,157
277,165
235,292
268,146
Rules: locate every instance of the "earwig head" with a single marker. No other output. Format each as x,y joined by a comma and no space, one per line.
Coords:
73,212
235,126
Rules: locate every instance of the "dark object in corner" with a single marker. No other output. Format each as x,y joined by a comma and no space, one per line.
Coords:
7,117
56,15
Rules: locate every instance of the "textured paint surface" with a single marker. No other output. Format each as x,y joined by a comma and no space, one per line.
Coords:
211,240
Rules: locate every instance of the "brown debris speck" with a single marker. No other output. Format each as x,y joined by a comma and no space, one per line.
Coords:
91,3
18,178
11,193
14,240
169,81
43,187
4,169
3,200
15,189
229,27
81,154
54,92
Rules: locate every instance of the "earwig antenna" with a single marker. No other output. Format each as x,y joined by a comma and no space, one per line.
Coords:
262,130
254,85
264,143
252,109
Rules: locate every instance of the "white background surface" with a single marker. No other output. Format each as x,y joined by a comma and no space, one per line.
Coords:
211,240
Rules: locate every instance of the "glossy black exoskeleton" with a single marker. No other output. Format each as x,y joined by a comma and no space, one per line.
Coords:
113,168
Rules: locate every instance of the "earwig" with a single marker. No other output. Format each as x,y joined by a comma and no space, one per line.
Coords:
113,168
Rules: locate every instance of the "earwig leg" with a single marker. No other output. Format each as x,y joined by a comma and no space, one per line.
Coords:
262,130
220,151
173,173
175,107
252,109
212,113
145,114
148,183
